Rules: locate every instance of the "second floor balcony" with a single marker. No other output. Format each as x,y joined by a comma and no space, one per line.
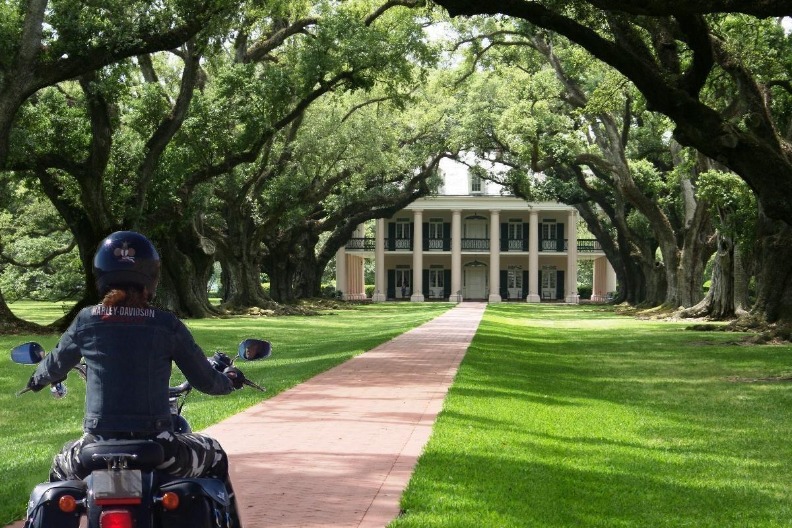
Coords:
473,245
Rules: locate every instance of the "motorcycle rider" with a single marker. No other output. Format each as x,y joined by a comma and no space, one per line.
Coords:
128,347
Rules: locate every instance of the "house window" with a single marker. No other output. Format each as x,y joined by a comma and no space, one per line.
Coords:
435,235
403,234
435,228
436,278
515,235
515,229
403,276
476,184
549,230
515,278
549,282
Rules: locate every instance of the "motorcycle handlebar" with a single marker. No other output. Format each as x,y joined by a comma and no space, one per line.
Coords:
172,391
179,389
186,387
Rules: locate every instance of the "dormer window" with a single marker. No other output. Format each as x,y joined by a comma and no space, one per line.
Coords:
476,184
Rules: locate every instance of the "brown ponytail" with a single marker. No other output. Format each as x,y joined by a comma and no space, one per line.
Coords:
131,297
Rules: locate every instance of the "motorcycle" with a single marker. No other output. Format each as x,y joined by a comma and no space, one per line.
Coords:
123,489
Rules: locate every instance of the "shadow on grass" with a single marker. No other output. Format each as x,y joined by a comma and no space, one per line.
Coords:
565,416
544,491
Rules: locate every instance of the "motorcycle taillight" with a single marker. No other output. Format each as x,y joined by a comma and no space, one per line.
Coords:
116,519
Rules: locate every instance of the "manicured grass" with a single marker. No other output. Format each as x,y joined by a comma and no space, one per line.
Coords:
39,311
35,426
573,416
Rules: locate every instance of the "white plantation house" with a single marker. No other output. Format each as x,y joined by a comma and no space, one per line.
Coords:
471,242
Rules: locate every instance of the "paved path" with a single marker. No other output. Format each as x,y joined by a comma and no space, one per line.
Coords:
337,450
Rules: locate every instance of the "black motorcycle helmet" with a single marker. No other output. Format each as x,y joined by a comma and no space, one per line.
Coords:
126,258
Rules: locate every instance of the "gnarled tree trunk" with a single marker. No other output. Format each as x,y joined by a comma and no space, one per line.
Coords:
11,324
187,264
774,295
719,301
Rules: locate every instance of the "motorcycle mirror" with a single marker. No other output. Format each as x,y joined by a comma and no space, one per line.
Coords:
27,353
253,349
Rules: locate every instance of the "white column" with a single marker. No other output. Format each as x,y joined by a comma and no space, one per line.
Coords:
456,256
380,295
357,290
494,282
598,280
533,259
610,277
572,266
341,272
417,275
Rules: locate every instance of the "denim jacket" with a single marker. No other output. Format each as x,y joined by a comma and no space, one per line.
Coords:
129,354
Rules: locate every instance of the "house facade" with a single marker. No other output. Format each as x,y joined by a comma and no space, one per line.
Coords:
474,246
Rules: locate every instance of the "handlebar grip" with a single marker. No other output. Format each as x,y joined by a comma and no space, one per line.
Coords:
179,389
254,385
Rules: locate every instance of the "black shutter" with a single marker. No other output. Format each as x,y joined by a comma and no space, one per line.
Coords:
391,236
425,235
525,284
504,237
504,279
526,229
560,284
425,284
446,237
540,246
560,237
390,289
446,284
412,236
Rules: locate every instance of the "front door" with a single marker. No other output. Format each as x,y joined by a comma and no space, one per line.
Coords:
436,283
403,277
475,283
549,278
514,279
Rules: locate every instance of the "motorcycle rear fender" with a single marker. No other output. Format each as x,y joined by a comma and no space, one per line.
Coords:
43,510
204,503
213,489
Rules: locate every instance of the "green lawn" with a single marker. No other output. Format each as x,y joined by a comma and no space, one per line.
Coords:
39,311
35,426
573,416
560,416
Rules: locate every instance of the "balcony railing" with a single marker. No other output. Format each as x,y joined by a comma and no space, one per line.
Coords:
588,245
552,244
361,244
471,244
397,244
437,244
475,244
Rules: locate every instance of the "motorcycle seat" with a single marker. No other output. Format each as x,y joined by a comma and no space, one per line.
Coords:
139,454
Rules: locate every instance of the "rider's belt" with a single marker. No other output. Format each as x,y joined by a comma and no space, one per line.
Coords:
127,423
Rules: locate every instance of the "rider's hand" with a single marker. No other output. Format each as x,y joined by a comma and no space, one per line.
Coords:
33,386
220,361
236,377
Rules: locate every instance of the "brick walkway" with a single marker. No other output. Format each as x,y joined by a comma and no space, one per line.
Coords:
337,450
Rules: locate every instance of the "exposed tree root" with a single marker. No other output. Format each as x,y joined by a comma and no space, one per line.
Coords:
19,326
761,332
301,307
